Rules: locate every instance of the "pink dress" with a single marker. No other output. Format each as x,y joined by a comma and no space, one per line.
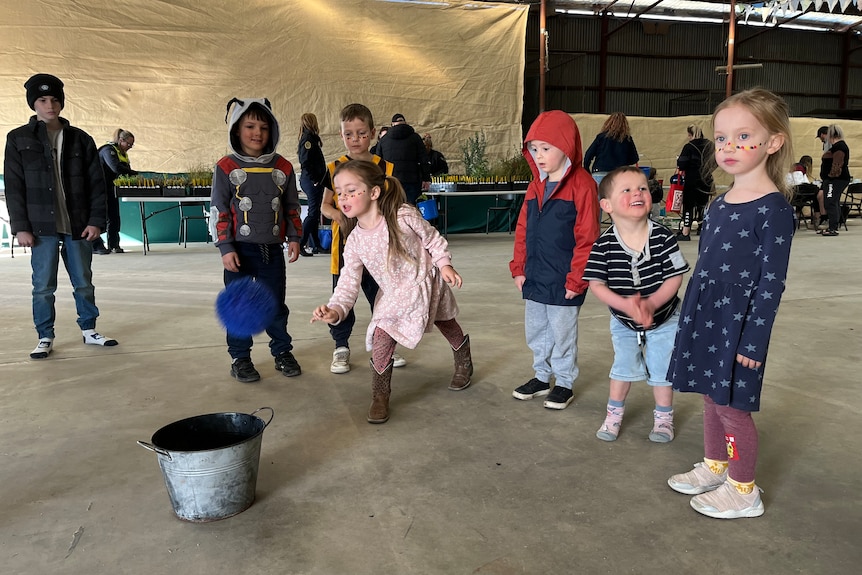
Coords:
411,297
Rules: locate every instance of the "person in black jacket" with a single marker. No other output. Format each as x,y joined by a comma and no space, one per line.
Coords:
697,188
404,148
313,172
55,191
437,164
115,162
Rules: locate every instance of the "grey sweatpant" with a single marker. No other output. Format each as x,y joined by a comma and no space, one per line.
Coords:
552,335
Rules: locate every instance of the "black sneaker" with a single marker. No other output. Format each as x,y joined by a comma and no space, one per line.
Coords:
559,398
681,237
102,251
287,364
531,389
242,370
118,250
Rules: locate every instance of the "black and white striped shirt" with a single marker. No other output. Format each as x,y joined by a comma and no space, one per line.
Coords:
627,272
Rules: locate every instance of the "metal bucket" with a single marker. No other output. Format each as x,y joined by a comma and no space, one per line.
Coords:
210,462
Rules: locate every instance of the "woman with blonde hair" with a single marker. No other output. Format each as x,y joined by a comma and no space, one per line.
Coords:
114,157
612,148
313,171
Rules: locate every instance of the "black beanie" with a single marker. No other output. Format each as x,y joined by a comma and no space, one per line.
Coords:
44,85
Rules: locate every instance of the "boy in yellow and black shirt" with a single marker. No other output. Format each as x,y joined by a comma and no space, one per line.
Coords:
357,132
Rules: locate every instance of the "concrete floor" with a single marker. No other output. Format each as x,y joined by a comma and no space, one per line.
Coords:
468,482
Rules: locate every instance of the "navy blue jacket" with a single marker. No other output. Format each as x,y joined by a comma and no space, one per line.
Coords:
554,237
610,154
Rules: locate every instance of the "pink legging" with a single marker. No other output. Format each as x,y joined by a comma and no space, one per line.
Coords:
383,346
729,434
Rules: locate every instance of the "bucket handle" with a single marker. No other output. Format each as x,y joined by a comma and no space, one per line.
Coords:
271,415
158,450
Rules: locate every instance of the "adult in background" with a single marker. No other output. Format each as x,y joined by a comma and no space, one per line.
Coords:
404,148
312,174
436,161
612,148
114,157
380,133
698,185
834,176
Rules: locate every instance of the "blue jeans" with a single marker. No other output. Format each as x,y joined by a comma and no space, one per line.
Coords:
270,271
644,356
341,332
45,261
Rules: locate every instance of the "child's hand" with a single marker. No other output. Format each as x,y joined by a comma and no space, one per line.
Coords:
450,276
292,252
571,294
519,282
642,310
230,261
325,314
748,362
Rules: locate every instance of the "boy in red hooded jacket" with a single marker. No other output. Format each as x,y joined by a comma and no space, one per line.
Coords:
558,224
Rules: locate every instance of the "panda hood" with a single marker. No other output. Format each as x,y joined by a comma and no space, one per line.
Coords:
260,107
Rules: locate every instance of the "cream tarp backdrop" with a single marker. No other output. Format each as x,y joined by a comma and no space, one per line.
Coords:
660,140
166,69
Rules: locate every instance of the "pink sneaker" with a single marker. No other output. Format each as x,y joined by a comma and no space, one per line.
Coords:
728,503
662,427
699,480
610,429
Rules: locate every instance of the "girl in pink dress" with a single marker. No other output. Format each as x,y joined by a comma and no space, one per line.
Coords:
410,261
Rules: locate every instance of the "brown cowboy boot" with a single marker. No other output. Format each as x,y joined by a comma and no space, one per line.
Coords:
380,389
463,366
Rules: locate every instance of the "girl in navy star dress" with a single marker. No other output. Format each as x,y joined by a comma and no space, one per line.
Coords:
732,299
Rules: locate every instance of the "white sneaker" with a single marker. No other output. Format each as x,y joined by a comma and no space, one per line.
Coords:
728,503
92,337
42,350
340,360
398,361
698,480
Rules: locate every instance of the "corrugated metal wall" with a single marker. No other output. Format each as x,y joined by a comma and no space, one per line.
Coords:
661,69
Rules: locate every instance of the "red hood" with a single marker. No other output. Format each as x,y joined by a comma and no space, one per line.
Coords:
560,130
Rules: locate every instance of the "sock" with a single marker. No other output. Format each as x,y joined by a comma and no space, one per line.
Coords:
717,467
615,403
743,488
664,408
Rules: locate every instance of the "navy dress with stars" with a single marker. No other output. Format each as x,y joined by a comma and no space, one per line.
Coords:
732,299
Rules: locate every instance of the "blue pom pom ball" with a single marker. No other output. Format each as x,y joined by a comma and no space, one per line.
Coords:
245,307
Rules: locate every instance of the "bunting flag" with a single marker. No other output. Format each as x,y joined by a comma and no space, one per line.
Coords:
769,10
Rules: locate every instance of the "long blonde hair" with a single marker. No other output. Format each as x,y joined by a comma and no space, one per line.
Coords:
121,134
391,199
308,123
773,113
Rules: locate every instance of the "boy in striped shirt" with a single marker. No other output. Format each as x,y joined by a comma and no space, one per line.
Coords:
636,268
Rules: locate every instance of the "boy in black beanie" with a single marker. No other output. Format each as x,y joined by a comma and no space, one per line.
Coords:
55,192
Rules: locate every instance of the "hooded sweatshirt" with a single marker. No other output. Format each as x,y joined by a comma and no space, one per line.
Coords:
554,235
253,200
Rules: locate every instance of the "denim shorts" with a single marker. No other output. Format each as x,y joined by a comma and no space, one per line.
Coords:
640,356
